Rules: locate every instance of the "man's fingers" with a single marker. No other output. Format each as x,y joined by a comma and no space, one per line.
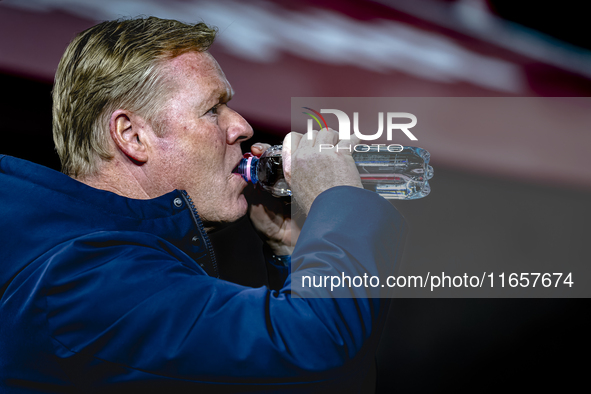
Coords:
291,140
258,148
306,140
324,136
344,145
327,136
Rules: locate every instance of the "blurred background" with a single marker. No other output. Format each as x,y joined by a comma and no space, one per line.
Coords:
535,210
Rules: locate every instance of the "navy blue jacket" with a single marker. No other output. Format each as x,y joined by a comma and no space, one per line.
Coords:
101,293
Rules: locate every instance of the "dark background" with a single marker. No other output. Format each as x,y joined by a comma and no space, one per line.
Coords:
436,344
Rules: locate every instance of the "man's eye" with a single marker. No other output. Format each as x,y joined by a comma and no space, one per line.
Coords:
213,110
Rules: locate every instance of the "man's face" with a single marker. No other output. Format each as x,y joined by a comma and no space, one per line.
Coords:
200,145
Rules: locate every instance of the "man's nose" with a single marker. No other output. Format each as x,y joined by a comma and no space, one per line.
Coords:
238,128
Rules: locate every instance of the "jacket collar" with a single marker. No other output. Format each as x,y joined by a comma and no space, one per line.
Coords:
35,201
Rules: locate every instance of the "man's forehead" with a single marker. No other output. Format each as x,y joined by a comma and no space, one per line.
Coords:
194,62
199,67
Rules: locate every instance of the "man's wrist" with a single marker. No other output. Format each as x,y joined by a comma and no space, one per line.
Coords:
283,261
280,249
280,256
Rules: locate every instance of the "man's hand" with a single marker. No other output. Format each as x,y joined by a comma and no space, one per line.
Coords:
309,170
271,216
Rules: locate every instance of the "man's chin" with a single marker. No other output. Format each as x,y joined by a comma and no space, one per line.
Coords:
228,217
242,206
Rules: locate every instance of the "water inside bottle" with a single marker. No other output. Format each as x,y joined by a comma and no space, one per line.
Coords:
400,175
270,174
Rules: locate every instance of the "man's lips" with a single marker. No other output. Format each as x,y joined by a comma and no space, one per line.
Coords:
235,171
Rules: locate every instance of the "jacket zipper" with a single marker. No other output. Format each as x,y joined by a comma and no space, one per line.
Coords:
201,228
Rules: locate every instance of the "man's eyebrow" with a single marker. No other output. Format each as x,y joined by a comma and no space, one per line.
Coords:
218,96
226,95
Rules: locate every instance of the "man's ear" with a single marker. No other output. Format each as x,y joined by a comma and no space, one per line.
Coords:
129,134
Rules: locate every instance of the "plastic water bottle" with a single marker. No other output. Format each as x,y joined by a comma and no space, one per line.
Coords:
400,175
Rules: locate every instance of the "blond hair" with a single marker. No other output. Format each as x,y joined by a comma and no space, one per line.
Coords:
114,65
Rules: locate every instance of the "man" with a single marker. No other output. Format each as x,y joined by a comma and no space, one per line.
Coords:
108,278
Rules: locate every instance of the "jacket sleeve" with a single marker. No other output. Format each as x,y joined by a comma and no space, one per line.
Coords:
136,302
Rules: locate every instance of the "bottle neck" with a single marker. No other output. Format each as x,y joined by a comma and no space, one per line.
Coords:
248,169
